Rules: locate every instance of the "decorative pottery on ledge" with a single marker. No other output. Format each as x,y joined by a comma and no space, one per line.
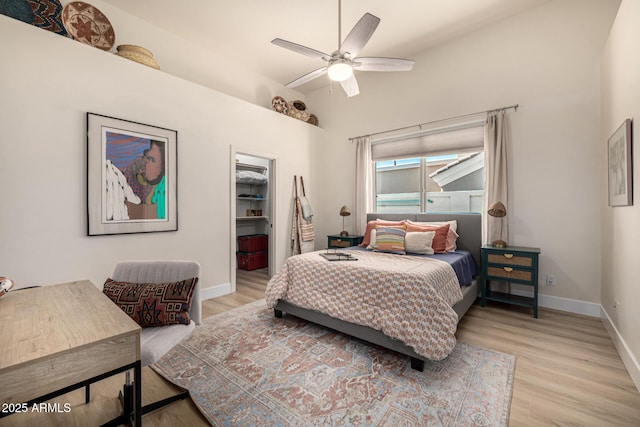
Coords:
137,54
296,109
88,25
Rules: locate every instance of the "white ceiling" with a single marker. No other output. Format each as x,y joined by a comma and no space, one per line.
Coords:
243,29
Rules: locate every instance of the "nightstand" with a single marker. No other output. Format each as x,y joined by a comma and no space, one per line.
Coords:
513,264
337,241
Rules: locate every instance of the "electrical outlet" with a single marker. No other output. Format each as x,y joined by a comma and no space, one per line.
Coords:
551,280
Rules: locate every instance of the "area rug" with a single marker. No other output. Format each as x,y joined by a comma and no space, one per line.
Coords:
245,367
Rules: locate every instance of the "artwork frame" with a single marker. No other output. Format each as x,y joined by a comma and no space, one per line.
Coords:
132,177
620,166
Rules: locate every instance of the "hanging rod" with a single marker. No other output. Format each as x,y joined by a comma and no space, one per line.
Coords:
515,107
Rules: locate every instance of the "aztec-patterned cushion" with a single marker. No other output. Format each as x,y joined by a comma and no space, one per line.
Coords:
153,304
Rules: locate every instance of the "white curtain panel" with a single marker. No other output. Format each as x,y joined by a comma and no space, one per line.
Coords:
365,184
496,142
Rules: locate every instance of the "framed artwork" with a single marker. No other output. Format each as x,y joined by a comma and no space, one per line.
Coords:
132,179
620,166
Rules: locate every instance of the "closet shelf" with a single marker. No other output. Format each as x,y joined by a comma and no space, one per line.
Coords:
246,166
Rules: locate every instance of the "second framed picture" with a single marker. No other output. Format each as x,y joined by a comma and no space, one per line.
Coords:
132,179
620,166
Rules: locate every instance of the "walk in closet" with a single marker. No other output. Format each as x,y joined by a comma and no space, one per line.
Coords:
252,212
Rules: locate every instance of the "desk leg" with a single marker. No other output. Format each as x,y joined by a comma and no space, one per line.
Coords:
137,392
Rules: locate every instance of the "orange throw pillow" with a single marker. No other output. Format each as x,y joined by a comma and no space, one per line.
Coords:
439,240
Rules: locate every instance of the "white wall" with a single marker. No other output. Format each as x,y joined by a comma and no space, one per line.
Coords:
47,84
195,63
621,225
545,59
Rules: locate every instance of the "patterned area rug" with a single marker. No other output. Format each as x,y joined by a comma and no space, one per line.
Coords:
244,367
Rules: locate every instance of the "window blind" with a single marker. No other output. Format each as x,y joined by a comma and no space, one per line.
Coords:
467,137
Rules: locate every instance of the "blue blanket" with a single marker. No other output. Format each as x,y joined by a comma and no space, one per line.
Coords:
461,261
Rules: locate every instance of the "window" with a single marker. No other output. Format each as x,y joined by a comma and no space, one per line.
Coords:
436,169
441,183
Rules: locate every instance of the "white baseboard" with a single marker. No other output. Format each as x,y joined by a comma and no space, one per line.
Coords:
630,362
564,304
571,305
215,291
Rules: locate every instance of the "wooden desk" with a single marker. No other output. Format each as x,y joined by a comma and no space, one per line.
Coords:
61,337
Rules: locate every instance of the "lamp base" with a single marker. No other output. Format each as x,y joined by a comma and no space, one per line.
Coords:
344,233
499,244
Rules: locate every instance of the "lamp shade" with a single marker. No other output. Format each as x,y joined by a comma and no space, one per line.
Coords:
497,209
6,285
344,211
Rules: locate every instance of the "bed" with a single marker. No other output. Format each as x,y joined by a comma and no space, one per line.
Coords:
457,303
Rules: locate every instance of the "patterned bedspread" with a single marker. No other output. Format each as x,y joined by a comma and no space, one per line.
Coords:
408,299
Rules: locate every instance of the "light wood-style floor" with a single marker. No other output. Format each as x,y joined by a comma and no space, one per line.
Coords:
568,372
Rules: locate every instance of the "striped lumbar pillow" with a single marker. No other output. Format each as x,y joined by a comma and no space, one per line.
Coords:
390,239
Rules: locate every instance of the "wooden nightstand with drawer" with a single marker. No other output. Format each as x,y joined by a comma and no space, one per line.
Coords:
512,264
337,241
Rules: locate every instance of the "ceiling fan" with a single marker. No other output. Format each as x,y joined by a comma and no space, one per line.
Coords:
342,63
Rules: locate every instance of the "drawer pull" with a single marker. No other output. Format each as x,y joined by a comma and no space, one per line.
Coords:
508,256
508,269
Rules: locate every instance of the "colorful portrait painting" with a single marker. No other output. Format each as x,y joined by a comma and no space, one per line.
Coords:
134,165
140,161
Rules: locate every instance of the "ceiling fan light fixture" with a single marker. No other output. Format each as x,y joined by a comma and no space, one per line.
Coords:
342,63
340,70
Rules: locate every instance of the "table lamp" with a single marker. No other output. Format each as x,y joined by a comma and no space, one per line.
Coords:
498,210
344,211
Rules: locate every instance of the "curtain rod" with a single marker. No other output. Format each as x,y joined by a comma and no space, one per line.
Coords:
515,107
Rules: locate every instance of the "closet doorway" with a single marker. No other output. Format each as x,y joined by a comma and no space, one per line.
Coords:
252,228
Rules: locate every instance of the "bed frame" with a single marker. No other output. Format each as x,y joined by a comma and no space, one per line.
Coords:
470,231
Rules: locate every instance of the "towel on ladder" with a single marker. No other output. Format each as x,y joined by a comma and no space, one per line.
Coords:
307,212
306,227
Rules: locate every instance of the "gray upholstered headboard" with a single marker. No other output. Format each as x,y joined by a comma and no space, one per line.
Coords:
469,227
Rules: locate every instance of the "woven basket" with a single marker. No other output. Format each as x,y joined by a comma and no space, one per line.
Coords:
298,114
138,54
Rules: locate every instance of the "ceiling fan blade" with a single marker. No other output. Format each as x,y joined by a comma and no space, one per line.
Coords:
298,48
307,77
359,35
350,86
382,64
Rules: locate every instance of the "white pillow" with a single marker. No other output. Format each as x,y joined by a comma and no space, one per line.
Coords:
372,240
419,242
